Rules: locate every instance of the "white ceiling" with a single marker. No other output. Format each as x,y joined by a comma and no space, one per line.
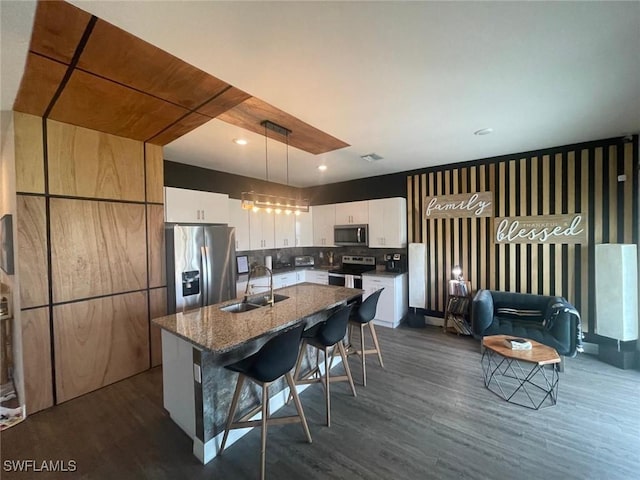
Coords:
410,81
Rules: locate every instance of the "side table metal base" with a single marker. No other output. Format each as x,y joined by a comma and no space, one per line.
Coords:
524,383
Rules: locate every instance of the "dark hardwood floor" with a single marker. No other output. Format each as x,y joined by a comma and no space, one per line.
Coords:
426,415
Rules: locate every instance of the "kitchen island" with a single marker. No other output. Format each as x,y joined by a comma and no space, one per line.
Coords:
197,344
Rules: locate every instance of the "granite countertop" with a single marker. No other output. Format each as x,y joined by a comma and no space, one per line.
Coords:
219,331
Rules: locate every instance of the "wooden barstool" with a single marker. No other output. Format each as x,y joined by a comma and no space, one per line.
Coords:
362,316
326,336
276,358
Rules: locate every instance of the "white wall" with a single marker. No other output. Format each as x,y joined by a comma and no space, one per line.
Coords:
8,206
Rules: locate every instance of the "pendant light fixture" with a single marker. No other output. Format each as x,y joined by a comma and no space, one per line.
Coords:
274,203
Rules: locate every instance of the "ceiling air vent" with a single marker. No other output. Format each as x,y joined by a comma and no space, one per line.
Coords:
371,157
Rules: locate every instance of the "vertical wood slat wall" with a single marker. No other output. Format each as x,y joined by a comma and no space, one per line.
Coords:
91,271
579,179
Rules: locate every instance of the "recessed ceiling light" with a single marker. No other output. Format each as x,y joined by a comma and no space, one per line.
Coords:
240,141
483,131
322,168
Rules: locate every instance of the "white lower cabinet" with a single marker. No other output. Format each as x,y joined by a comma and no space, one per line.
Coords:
317,276
241,286
258,285
393,303
282,280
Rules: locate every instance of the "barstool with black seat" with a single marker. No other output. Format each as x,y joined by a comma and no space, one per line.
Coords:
276,358
326,336
363,316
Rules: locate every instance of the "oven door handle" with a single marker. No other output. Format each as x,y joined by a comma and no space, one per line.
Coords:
358,229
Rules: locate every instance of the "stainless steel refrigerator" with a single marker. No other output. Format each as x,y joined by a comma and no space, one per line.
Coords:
201,265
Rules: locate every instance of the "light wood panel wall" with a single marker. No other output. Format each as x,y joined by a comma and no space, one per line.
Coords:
32,251
155,228
29,153
158,308
100,204
98,248
98,342
565,180
154,173
36,352
86,163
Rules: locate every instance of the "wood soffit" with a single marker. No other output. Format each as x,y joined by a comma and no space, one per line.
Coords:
121,110
250,114
39,84
97,76
57,30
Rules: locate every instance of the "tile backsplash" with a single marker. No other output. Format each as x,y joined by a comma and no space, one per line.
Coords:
282,256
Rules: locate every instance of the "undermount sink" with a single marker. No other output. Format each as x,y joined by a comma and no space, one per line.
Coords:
239,307
256,301
263,300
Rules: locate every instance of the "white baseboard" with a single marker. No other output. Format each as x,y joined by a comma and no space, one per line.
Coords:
383,323
205,452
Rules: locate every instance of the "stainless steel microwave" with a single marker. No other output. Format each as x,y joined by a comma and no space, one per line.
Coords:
351,235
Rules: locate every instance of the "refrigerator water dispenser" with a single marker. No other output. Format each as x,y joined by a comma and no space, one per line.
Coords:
190,283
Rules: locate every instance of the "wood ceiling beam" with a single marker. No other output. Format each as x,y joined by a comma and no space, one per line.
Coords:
84,71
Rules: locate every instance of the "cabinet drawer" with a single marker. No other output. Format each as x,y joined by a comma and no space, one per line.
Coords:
378,281
284,280
318,277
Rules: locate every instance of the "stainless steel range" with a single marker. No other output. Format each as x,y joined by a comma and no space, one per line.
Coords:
349,274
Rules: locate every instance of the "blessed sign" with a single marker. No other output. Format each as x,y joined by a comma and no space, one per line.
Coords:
547,229
462,205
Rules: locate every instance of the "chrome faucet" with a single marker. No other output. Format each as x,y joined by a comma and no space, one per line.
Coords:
253,270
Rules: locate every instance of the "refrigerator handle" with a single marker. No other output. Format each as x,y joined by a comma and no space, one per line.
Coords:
205,276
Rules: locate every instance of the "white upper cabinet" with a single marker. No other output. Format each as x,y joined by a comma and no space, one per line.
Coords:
304,229
192,206
261,230
285,230
355,213
324,218
388,223
239,218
